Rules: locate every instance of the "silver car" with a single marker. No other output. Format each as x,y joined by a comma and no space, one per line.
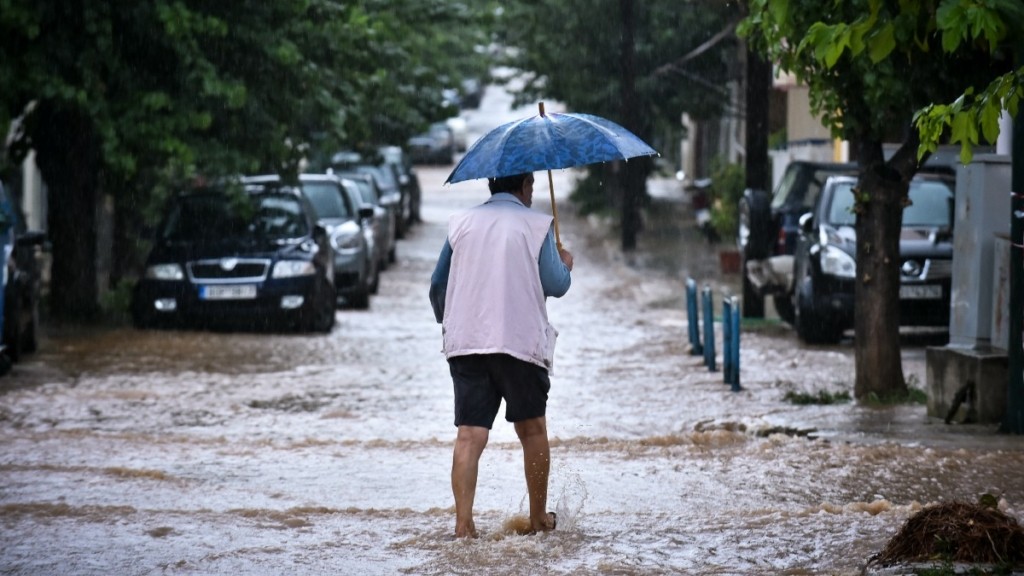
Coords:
339,210
385,216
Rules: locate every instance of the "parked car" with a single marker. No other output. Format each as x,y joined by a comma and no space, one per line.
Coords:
460,132
408,181
21,285
825,264
767,234
339,209
384,216
435,146
472,91
22,290
238,255
388,179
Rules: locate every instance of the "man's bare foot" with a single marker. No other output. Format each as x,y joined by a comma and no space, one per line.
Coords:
549,523
466,531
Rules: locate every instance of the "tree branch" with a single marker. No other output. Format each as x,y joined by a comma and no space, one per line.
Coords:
677,65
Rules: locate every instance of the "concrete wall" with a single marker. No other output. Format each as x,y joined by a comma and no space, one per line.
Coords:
982,211
978,303
800,124
948,370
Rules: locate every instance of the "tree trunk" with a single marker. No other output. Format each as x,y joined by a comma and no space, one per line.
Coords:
876,296
759,77
127,258
68,155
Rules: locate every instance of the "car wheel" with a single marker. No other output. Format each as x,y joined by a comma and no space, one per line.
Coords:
360,300
400,226
325,318
320,318
812,327
374,284
142,321
149,320
12,332
754,224
30,339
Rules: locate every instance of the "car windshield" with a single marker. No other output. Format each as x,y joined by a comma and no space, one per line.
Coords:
385,177
931,205
366,191
840,209
327,200
215,215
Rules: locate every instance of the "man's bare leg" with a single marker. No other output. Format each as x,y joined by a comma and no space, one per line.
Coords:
469,445
533,434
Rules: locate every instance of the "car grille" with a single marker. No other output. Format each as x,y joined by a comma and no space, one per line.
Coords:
938,269
229,270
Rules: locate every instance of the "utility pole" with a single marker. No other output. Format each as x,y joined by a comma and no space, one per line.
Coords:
631,188
1013,419
759,73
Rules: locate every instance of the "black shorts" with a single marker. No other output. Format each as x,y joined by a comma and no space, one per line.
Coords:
483,380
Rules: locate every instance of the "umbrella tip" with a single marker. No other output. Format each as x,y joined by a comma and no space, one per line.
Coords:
541,106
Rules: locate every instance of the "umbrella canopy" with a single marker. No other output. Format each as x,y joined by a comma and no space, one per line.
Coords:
548,142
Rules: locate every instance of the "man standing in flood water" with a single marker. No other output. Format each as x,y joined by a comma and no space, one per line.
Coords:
488,291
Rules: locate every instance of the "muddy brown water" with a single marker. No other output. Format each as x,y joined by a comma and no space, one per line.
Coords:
181,452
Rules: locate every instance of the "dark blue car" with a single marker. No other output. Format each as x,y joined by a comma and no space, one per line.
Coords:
825,266
227,256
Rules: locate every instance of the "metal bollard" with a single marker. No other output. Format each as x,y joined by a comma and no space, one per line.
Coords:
709,329
727,304
692,319
734,348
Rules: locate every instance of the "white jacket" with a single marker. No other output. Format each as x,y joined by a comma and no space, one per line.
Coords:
494,300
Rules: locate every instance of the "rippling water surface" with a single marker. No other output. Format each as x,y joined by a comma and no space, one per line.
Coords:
128,452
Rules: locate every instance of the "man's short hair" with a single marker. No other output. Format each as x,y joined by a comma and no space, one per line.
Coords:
512,183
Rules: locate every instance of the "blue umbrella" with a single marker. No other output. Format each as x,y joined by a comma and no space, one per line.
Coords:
548,142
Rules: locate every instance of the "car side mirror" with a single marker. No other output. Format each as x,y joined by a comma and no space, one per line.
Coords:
366,211
319,230
806,223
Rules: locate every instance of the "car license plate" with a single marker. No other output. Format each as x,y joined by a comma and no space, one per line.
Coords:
228,292
921,292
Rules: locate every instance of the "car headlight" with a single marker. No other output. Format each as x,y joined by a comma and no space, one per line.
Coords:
837,263
346,241
293,268
165,272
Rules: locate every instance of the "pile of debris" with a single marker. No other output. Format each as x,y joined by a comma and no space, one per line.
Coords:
956,532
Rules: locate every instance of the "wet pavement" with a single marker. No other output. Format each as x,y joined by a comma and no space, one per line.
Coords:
179,452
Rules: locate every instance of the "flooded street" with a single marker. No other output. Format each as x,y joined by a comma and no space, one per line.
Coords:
178,452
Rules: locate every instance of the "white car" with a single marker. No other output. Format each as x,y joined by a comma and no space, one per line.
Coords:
459,132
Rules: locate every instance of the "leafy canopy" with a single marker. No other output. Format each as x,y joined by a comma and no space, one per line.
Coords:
571,52
869,61
228,87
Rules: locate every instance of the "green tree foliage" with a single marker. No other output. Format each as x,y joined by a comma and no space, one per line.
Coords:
683,55
571,50
116,97
995,25
870,65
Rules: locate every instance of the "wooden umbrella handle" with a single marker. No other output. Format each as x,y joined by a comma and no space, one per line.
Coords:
554,210
551,187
